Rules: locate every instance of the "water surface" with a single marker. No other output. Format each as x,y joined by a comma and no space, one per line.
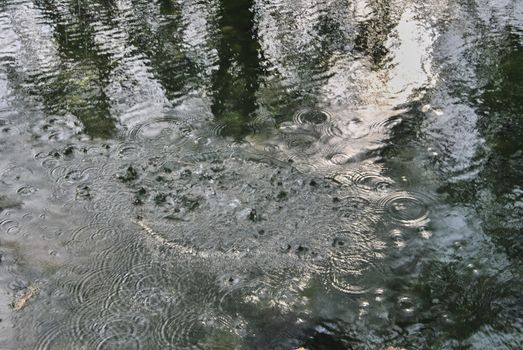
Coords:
270,174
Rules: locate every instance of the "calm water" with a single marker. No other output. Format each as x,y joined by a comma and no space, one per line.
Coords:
261,174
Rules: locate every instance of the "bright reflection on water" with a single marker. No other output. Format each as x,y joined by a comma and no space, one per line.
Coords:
270,174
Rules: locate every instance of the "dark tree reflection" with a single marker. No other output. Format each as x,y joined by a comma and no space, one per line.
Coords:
78,87
237,79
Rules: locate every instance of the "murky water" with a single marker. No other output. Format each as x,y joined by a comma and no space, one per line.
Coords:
261,174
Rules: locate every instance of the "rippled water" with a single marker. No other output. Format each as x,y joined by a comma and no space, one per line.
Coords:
270,174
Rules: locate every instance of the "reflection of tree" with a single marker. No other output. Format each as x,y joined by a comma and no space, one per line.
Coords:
495,95
236,82
158,36
374,32
491,183
301,47
314,51
83,72
502,127
502,96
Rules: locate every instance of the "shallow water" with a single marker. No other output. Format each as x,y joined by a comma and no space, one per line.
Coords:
268,174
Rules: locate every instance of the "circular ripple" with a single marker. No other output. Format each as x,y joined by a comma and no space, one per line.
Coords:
7,260
339,158
89,320
406,209
220,325
347,283
355,128
321,121
272,148
201,141
180,329
88,285
54,337
96,151
218,129
8,130
354,207
233,129
354,252
41,155
16,175
260,123
93,323
88,234
128,151
11,227
121,256
73,176
168,129
312,116
302,143
27,190
331,131
119,202
387,124
272,278
354,203
149,287
58,171
50,163
121,325
128,342
352,255
153,300
366,180
331,157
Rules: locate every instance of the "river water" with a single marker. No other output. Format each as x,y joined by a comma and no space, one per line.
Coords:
261,174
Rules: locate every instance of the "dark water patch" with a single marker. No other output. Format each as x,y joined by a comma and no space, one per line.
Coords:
236,80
